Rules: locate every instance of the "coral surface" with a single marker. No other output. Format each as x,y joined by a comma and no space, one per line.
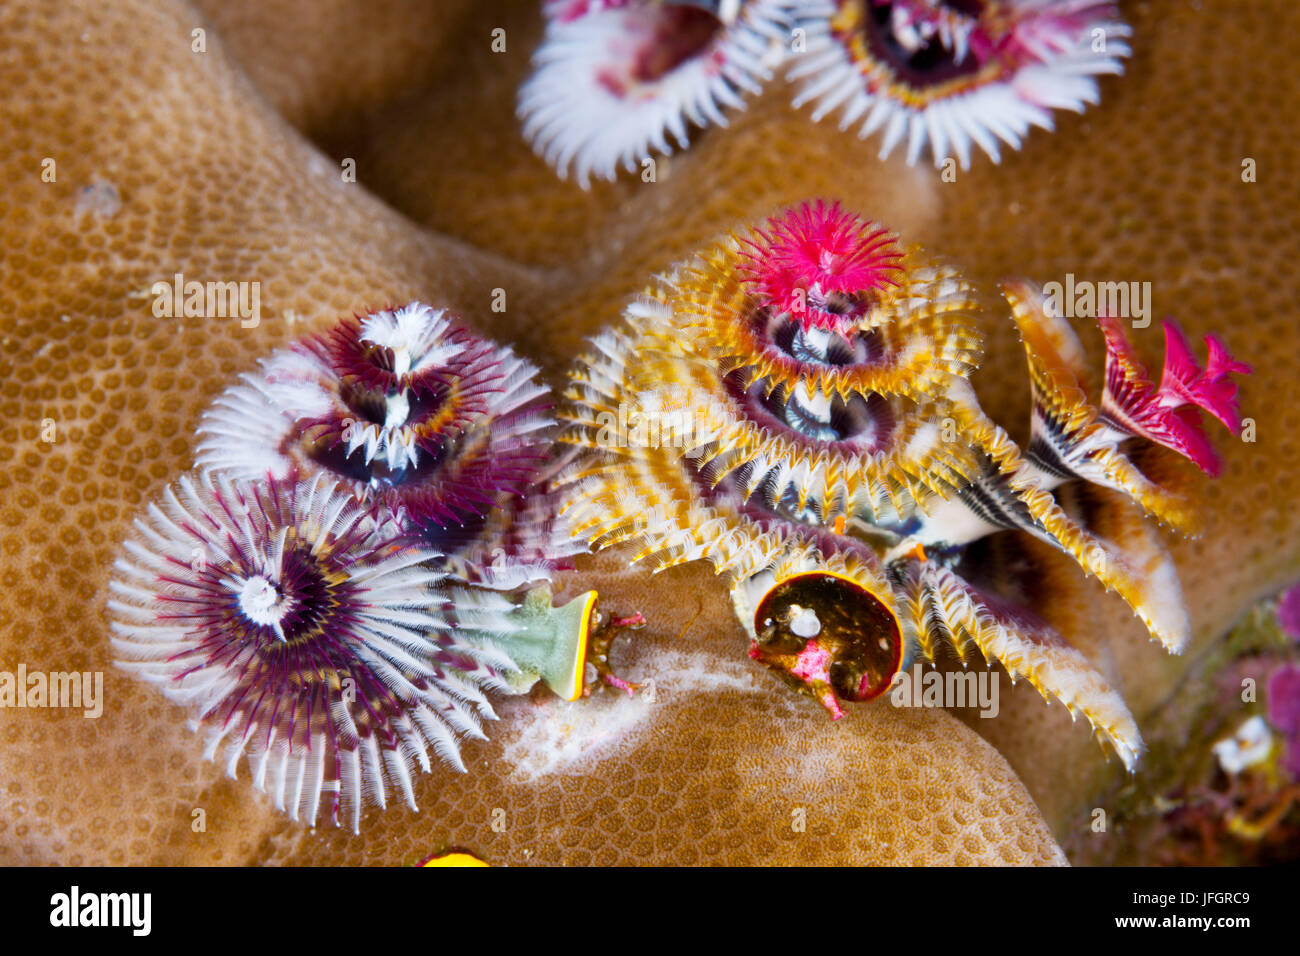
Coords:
225,156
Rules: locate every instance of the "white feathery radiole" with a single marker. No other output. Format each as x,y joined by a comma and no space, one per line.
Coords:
401,405
945,77
306,636
615,82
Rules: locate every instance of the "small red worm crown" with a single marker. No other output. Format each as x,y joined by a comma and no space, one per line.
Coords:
824,265
1168,414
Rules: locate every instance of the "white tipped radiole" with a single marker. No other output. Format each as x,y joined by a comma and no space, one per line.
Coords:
248,430
306,636
943,78
402,405
359,561
614,83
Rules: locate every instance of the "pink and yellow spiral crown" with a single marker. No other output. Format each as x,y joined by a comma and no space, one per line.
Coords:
810,356
793,404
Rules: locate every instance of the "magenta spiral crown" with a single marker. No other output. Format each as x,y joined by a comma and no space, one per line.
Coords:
823,264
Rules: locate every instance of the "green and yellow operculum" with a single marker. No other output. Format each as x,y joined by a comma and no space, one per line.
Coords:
549,643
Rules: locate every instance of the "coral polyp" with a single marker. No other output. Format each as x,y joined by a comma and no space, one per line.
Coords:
828,453
947,75
304,635
616,80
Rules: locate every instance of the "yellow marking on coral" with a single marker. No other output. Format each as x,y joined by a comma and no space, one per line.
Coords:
453,859
580,659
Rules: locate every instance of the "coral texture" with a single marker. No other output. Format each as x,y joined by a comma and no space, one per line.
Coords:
170,160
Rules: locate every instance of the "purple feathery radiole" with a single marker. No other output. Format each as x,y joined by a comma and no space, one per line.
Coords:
1284,714
420,418
306,635
1288,612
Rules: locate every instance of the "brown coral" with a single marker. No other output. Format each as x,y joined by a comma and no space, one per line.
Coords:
191,169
